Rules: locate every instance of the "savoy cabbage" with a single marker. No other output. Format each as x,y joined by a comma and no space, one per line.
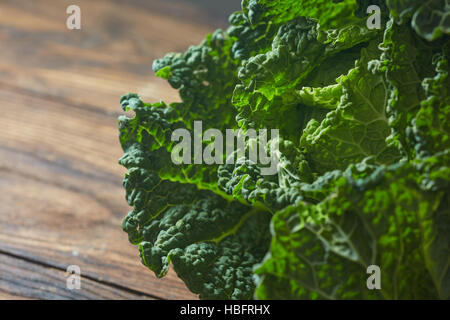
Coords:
363,174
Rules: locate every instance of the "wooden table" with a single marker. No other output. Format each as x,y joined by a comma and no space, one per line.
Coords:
61,197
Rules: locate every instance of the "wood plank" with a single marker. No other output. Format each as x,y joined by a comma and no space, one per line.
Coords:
111,55
61,194
60,184
24,279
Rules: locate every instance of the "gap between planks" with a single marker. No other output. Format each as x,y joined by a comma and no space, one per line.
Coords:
119,290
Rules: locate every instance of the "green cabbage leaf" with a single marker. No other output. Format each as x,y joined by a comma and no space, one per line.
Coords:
362,158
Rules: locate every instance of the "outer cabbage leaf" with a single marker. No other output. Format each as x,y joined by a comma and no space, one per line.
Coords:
406,60
250,39
358,127
328,13
294,182
430,18
270,81
346,108
295,52
243,179
204,76
431,127
374,215
212,241
321,97
146,141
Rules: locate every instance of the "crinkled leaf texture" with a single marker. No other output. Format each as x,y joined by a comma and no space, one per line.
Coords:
384,218
362,160
180,217
430,18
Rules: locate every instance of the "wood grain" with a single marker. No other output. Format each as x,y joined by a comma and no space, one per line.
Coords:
61,194
111,55
30,280
61,198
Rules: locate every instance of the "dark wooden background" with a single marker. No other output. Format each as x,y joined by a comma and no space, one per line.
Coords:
61,198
